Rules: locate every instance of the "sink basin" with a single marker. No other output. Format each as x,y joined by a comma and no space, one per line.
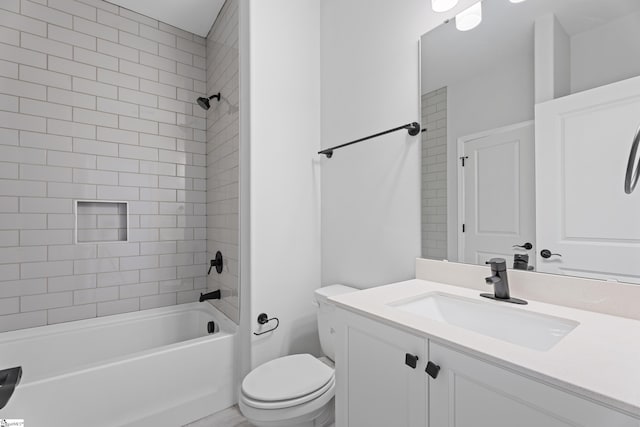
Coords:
495,319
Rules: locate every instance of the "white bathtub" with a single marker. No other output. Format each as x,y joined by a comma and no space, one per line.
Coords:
155,368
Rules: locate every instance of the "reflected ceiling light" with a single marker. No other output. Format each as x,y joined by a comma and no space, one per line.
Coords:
443,5
470,18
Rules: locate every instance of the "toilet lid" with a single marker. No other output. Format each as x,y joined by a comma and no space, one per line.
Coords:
286,378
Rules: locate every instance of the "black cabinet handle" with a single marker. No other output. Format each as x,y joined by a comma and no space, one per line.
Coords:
411,360
546,253
432,370
528,246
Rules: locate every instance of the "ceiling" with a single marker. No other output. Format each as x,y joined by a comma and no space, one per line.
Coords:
195,16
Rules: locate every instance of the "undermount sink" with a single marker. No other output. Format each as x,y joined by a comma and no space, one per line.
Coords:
531,330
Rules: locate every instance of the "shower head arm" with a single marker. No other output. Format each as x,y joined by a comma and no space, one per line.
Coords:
204,102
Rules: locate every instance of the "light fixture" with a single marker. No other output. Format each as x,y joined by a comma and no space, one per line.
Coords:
516,1
469,18
443,5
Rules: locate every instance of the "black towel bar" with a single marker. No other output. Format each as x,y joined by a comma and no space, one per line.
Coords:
412,128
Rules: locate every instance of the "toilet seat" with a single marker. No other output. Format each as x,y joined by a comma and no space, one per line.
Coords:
287,390
290,415
280,404
287,381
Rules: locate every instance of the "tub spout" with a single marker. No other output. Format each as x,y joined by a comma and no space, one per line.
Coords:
210,295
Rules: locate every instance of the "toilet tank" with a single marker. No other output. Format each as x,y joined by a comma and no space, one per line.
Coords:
326,317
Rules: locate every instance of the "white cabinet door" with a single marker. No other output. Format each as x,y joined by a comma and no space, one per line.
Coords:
471,393
375,388
582,212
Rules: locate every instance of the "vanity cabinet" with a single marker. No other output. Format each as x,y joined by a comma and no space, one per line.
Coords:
375,387
470,392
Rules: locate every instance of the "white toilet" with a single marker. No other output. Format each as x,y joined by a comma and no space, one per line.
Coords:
296,390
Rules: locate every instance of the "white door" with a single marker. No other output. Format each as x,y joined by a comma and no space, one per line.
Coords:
583,214
469,392
497,194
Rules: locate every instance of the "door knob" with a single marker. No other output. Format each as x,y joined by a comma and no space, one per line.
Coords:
546,253
528,246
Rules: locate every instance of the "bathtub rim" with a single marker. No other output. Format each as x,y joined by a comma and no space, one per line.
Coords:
226,325
227,329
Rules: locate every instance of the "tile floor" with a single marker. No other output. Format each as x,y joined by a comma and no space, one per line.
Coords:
228,418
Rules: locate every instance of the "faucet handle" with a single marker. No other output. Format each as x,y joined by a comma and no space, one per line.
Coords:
492,280
497,264
217,263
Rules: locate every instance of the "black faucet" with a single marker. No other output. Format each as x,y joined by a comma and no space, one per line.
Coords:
210,295
500,282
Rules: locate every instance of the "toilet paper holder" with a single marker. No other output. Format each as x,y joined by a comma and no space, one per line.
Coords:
263,319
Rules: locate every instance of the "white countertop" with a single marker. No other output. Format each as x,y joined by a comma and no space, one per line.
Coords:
600,358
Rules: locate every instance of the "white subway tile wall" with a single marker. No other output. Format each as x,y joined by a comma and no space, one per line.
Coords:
222,153
96,102
434,175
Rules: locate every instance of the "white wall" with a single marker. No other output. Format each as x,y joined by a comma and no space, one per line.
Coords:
284,173
371,191
606,54
243,343
552,59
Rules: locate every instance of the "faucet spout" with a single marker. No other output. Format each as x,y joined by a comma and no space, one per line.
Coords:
210,295
499,278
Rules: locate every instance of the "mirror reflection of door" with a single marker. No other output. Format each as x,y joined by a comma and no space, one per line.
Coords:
585,219
496,194
558,56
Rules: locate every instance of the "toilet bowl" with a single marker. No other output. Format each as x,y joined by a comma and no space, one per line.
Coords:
296,390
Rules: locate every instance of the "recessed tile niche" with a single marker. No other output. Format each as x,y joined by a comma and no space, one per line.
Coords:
101,221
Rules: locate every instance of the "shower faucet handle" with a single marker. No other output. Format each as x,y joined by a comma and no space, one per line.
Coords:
217,263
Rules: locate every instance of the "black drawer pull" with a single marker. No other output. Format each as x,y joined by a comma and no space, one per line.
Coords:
432,370
411,360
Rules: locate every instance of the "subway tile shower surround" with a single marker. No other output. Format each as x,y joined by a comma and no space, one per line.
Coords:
222,156
97,103
434,175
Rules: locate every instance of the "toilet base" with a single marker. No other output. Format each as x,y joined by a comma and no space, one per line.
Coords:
322,417
327,417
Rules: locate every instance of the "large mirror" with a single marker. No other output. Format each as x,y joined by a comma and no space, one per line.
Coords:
530,120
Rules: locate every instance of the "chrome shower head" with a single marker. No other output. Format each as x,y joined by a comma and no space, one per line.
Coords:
204,102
